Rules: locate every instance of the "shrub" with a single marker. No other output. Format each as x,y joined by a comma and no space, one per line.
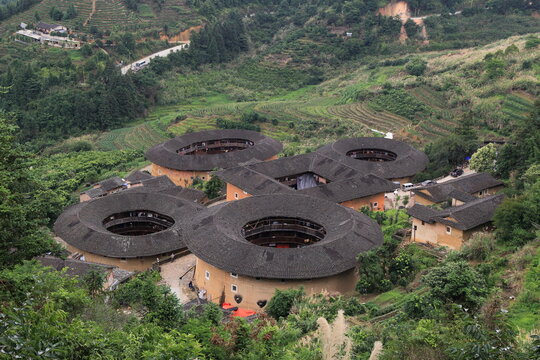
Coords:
281,303
458,282
478,247
416,67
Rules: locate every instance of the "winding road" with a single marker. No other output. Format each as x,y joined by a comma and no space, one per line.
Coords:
145,60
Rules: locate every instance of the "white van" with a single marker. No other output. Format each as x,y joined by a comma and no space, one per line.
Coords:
407,186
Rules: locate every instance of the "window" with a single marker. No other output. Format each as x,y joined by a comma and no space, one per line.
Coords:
448,230
236,195
423,223
234,275
203,178
234,288
207,275
414,227
375,204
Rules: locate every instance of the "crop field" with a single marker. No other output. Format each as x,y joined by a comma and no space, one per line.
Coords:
517,106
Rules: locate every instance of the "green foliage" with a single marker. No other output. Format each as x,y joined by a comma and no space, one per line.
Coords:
457,282
232,124
478,247
26,205
532,42
416,67
483,160
399,102
93,281
156,301
381,268
213,188
515,217
281,303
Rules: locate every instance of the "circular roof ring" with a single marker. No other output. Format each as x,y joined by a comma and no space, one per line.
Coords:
225,236
214,149
127,225
387,158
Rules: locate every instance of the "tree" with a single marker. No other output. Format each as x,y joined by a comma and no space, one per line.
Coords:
483,160
71,12
56,14
458,282
515,217
411,28
416,67
281,303
93,281
24,203
213,187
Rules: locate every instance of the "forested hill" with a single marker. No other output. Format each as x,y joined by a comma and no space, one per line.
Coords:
59,93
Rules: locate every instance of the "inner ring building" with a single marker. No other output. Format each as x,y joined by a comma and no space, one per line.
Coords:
193,155
390,159
131,230
247,249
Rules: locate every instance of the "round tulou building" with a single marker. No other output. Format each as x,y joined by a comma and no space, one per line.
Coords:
390,159
194,155
131,230
246,249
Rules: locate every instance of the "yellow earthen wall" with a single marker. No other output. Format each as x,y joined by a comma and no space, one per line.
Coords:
129,264
184,178
179,177
233,190
253,290
356,204
436,234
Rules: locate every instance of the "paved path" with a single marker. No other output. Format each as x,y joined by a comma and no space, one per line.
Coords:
146,59
171,272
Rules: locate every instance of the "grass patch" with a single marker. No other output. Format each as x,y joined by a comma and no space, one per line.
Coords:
525,313
145,10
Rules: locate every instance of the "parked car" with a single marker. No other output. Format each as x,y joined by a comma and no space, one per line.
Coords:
428,182
456,172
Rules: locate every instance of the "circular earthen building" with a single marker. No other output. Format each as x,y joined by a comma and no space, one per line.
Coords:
194,155
248,248
390,159
131,230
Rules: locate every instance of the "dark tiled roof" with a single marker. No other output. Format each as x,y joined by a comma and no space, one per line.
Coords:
138,176
81,225
216,237
460,188
74,267
95,193
345,183
409,161
42,25
112,183
166,155
467,216
350,189
164,185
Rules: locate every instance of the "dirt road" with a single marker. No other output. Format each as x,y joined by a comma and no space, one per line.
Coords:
145,60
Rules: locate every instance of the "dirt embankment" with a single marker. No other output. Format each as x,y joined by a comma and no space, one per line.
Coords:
184,36
402,10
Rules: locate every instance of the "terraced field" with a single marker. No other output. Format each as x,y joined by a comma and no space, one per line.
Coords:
517,106
84,7
111,13
361,113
